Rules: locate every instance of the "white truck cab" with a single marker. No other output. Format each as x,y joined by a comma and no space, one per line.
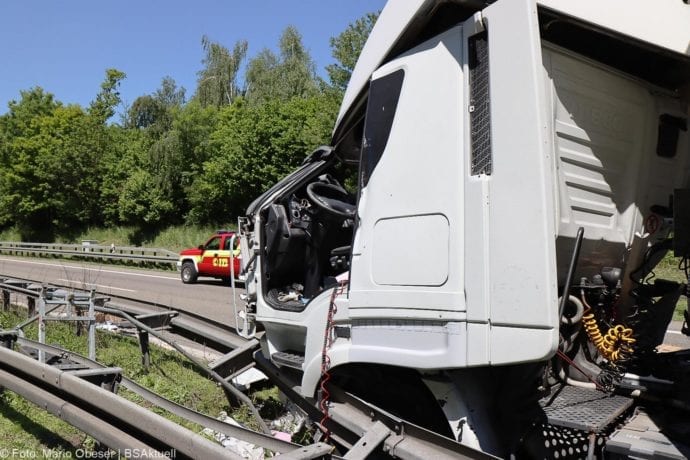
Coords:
502,179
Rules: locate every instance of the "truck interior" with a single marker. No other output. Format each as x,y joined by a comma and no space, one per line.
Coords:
308,232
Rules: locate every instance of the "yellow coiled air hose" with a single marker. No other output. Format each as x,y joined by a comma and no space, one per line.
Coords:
614,344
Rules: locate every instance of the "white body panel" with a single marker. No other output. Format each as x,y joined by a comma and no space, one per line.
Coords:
604,127
469,217
416,202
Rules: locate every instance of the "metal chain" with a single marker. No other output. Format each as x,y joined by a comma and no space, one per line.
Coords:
326,360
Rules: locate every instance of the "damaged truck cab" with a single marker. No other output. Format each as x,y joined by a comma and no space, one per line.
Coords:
503,178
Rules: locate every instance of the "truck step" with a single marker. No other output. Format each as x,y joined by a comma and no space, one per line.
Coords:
584,409
288,358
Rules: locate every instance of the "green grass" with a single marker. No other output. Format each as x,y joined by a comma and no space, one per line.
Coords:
668,269
10,234
178,238
172,238
28,428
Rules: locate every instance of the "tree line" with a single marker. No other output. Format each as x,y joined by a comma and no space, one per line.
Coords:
170,159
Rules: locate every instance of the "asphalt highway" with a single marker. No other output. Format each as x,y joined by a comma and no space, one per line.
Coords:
208,298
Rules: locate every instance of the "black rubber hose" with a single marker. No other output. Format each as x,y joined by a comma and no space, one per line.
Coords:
571,271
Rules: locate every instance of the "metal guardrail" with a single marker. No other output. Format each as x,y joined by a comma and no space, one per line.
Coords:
108,426
90,250
58,297
122,425
238,432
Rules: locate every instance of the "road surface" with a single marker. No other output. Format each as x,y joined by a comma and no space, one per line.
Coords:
208,298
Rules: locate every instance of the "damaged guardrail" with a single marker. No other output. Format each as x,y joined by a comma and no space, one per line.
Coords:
89,249
121,424
47,381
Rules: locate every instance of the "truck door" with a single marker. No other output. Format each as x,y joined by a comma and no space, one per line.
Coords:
456,164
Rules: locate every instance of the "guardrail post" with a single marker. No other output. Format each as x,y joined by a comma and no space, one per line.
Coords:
41,323
92,325
31,306
78,311
144,346
5,300
69,303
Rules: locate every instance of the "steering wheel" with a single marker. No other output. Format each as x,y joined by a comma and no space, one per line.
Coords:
332,199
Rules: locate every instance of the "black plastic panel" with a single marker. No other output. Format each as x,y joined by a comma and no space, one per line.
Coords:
480,113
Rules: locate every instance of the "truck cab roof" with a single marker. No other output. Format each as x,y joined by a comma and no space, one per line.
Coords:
603,30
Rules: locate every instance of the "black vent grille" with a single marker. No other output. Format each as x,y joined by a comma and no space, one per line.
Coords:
480,114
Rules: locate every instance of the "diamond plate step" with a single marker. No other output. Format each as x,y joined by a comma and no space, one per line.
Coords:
289,359
584,409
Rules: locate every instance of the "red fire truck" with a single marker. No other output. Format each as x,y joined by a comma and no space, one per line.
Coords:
213,258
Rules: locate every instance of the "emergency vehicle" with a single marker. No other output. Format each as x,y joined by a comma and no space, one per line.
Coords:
213,258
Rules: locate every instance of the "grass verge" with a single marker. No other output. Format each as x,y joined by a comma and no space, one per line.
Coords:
173,238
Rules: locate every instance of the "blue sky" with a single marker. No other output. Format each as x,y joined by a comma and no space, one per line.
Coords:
64,46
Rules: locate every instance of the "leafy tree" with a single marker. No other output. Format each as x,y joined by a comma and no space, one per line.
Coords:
140,202
298,71
20,119
169,94
49,181
168,160
177,157
217,82
156,109
33,103
253,147
127,152
160,156
193,128
292,74
262,76
347,47
103,107
145,111
63,167
134,188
